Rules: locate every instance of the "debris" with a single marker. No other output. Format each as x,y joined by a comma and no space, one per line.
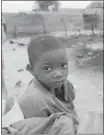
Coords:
21,44
18,83
80,56
20,70
100,94
14,49
11,42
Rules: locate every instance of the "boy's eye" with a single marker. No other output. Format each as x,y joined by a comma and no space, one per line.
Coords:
64,65
47,68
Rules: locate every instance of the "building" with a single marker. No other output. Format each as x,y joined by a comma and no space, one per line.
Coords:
93,16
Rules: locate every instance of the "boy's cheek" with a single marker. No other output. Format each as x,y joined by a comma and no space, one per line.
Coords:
66,73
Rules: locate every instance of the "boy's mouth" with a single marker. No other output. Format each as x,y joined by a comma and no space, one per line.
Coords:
59,82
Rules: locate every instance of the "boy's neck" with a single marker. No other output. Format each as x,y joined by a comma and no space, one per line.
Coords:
52,91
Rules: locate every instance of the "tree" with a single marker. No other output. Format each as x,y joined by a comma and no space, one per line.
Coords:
56,6
44,5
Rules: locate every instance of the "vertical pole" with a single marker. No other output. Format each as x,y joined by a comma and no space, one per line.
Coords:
44,28
64,26
15,31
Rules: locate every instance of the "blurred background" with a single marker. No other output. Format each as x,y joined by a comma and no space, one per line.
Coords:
33,17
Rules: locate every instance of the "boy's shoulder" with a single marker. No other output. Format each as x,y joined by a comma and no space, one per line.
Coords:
34,92
70,85
71,89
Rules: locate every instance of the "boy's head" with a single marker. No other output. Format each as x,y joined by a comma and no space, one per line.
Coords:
48,60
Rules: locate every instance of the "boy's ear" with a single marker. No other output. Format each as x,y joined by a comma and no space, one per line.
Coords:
29,68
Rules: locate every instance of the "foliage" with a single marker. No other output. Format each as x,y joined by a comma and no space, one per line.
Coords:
44,5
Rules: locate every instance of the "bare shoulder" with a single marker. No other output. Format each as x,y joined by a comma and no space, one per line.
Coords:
31,105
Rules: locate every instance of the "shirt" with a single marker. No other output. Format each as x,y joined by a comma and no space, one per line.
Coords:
37,101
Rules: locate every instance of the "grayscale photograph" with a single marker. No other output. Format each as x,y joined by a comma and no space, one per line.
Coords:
51,67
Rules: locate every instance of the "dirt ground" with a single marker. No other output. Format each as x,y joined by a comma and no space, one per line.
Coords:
88,82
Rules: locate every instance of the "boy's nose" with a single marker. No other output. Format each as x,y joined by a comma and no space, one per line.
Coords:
57,74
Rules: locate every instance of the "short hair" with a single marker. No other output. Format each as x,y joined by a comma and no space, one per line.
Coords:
40,44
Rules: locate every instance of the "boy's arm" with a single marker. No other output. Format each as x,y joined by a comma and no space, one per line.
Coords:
33,106
27,106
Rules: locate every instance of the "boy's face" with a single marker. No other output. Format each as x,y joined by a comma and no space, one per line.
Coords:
52,68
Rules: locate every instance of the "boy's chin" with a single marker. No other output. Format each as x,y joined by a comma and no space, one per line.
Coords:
54,86
58,85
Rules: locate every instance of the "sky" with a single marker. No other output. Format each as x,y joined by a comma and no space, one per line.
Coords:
19,6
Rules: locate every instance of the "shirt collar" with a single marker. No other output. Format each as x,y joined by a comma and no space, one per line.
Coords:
39,84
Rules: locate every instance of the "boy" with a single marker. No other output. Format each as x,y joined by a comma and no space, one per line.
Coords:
49,92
